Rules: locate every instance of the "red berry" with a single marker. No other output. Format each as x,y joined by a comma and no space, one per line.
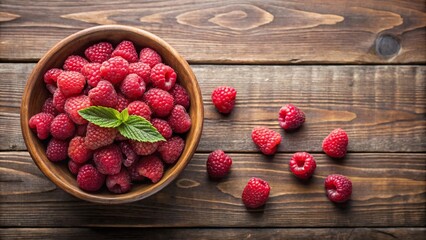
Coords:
127,150
180,95
62,127
163,76
134,172
51,76
336,143
97,137
143,70
179,120
119,183
59,100
108,159
290,117
302,165
151,167
103,94
74,104
114,69
71,83
89,178
255,193
224,98
74,63
218,164
126,50
144,148
57,150
162,127
99,52
150,57
133,86
122,102
171,150
74,167
78,152
160,101
140,109
92,73
48,107
266,139
40,123
338,188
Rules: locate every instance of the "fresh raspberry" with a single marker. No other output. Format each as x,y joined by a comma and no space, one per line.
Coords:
180,95
108,159
71,83
150,57
160,101
127,150
74,104
89,178
151,167
133,86
179,120
103,94
256,193
218,164
119,183
97,137
92,73
59,101
335,144
224,98
77,150
290,117
302,165
144,148
99,52
134,172
163,76
114,69
74,63
143,70
51,88
48,107
74,167
162,127
139,108
51,76
57,150
171,150
62,127
267,140
81,130
40,123
338,188
126,50
122,102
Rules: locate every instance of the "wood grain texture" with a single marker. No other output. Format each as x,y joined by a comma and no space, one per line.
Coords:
381,107
234,31
389,190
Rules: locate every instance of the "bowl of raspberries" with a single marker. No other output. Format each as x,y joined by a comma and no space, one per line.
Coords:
112,114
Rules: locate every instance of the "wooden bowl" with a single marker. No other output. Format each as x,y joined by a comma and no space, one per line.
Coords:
35,94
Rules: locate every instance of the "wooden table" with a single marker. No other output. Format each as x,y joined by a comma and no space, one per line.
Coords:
358,65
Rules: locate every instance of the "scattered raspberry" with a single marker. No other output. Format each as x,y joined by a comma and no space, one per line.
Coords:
256,193
126,50
114,69
134,172
335,144
59,101
139,108
144,148
180,95
218,164
71,83
133,86
290,117
108,159
62,127
163,76
74,63
224,98
143,70
97,137
40,123
171,150
150,57
122,102
127,150
89,178
51,76
338,188
92,73
48,107
160,101
302,165
99,52
179,120
162,127
151,167
51,88
78,152
103,94
81,130
74,167
266,139
74,104
57,150
119,183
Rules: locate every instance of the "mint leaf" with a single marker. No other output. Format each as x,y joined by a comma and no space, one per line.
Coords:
139,129
124,115
102,116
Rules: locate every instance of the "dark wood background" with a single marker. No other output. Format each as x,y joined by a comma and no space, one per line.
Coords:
355,64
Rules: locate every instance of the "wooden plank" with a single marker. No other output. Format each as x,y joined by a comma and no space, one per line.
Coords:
237,31
381,107
213,233
389,190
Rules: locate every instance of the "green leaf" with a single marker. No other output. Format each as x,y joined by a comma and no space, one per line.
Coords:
124,115
102,116
139,129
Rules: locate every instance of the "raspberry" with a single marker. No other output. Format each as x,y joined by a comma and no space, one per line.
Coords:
160,101
51,88
134,172
256,193
144,148
97,137
48,107
89,178
62,127
139,108
108,159
151,167
114,69
171,150
57,150
71,83
133,86
78,152
81,130
59,101
127,150
74,63
162,127
51,76
335,144
126,50
180,95
92,73
122,102
143,70
338,188
119,183
74,104
74,167
179,120
266,139
302,165
40,123
224,98
218,164
163,76
99,52
103,95
290,117
150,57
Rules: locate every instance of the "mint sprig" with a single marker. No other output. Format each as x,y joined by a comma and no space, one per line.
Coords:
131,126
